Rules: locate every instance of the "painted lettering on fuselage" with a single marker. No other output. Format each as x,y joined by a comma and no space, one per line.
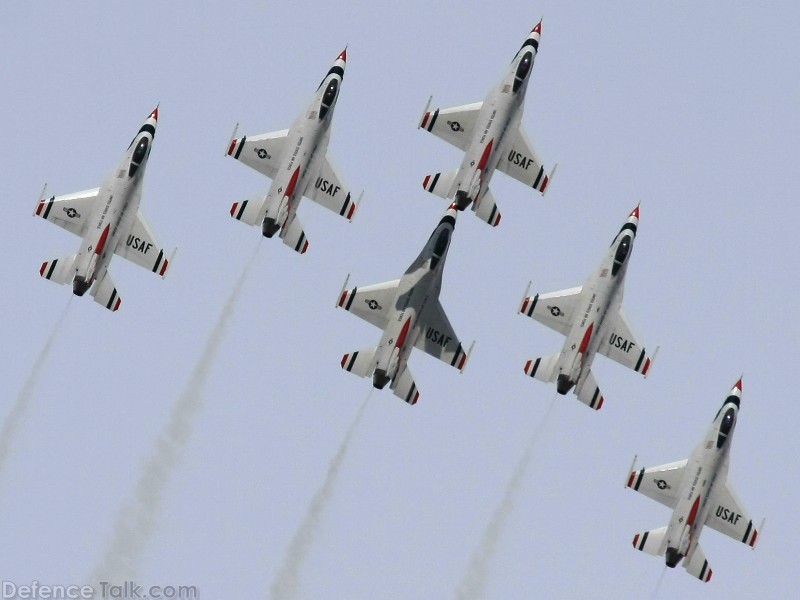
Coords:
619,342
326,186
437,337
726,514
138,244
515,158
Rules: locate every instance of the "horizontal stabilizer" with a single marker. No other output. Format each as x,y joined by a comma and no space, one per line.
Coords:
650,541
486,209
359,362
440,183
542,369
249,211
293,235
698,565
588,392
105,293
59,270
404,386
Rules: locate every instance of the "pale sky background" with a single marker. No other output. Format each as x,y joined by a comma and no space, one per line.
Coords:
690,109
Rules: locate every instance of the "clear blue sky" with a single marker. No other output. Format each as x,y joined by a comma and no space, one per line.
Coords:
689,109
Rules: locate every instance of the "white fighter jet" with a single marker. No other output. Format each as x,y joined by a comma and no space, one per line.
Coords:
110,222
410,315
699,493
295,159
592,320
491,137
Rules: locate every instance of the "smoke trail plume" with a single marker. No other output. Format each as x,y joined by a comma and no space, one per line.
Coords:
15,418
136,521
285,584
473,584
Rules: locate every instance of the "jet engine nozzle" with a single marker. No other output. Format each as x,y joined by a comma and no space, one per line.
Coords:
80,285
673,557
563,384
379,379
269,227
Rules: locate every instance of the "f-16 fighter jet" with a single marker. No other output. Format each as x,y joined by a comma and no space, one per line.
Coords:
491,137
295,160
110,222
698,492
410,315
591,318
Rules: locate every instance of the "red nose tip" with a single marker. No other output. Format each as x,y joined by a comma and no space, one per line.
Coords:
538,28
343,55
635,212
154,114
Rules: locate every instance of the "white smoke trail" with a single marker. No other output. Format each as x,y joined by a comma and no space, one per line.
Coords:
473,584
658,585
16,417
136,521
285,584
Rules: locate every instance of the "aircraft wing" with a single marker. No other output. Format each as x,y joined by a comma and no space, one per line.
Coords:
523,164
438,338
70,211
260,152
373,303
727,516
454,125
659,483
140,246
329,191
624,347
555,309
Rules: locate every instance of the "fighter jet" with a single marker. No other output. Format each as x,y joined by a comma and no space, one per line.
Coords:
592,320
295,160
491,137
110,222
698,492
410,315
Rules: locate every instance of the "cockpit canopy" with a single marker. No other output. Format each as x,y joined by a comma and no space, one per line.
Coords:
139,154
440,247
329,97
725,426
621,255
523,68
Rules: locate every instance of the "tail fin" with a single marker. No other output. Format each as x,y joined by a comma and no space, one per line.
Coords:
359,362
404,386
486,209
542,369
105,293
650,541
588,392
59,270
440,183
293,235
698,565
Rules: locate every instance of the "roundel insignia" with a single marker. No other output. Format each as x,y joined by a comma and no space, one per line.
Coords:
555,311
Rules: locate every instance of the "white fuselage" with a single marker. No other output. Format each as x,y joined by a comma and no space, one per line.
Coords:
500,114
596,313
707,467
304,150
113,213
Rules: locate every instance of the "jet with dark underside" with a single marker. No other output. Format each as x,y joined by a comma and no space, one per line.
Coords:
408,312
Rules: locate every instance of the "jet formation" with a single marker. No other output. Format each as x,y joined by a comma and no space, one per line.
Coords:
699,493
410,314
109,221
296,161
491,137
591,318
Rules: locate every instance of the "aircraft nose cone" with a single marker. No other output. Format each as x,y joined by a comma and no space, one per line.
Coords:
538,28
154,114
635,212
343,55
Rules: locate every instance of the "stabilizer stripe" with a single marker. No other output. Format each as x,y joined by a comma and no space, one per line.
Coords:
533,305
350,300
352,361
538,177
433,120
158,261
639,362
747,533
241,210
239,149
344,206
455,356
51,269
49,206
639,480
111,299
